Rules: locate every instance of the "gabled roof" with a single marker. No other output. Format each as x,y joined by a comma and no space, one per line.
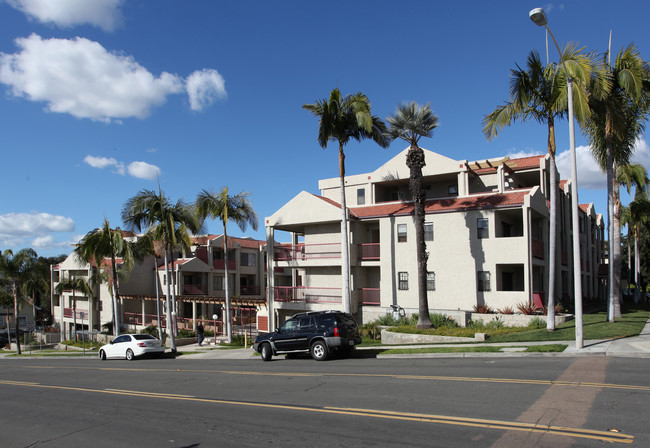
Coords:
478,202
518,164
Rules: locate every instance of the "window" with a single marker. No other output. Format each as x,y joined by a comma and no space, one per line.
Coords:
431,281
428,231
453,190
403,281
482,227
218,282
401,233
247,259
361,196
484,281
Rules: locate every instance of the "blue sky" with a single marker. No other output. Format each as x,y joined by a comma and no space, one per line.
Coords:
99,97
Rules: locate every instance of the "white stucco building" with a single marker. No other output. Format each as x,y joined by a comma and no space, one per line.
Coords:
486,230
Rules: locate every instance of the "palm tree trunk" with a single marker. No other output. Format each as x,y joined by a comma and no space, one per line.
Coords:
155,270
15,291
174,323
610,234
345,249
168,305
617,250
226,317
116,299
415,162
552,246
74,312
637,266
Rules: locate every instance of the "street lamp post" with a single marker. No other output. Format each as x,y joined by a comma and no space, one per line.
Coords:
538,16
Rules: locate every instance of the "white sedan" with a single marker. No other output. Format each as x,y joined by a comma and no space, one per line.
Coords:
128,346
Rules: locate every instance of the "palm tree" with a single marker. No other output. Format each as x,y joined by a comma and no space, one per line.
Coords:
342,119
634,175
75,284
237,209
15,269
411,122
539,92
163,221
618,114
106,243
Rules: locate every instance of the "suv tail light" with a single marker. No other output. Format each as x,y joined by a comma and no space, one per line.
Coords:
336,332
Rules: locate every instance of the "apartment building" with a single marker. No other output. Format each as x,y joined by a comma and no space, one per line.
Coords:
198,287
486,230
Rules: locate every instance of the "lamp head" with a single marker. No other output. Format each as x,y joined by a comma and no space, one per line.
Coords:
538,16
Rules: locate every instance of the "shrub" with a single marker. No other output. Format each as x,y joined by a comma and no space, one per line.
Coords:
153,331
440,320
506,310
483,309
526,308
536,323
371,331
184,333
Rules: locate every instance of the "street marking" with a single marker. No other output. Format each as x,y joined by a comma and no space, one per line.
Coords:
374,375
604,436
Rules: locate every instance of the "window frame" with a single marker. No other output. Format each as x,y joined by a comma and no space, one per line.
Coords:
403,281
402,237
484,284
431,281
432,236
482,228
361,196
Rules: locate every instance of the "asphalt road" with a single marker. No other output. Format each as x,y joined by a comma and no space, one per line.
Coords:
482,402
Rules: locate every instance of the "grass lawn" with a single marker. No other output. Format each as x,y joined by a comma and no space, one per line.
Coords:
595,326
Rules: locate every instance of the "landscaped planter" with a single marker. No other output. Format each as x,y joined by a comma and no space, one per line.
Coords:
517,320
391,338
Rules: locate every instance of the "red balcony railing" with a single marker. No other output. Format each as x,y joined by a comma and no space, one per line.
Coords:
249,290
538,248
289,252
307,294
368,251
194,290
221,264
81,314
370,296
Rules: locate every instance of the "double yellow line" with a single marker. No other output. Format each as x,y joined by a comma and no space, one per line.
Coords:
604,436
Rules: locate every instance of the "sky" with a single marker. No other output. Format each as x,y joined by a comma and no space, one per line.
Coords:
100,99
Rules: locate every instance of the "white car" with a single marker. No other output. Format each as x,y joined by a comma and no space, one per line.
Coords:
128,346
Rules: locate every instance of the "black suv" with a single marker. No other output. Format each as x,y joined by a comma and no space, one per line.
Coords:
318,332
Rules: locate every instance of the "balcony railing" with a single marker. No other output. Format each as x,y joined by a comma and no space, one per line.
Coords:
538,248
81,314
194,290
307,294
220,264
368,251
249,290
290,252
370,296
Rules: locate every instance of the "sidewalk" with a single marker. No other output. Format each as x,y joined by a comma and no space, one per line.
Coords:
633,347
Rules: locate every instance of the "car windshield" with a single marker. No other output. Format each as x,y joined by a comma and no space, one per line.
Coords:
140,337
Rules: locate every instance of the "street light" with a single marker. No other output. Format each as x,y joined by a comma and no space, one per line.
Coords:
538,16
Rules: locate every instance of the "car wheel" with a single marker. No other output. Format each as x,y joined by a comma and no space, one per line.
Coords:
319,351
266,352
102,355
129,355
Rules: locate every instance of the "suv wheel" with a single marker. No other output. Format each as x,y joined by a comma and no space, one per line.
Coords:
266,352
319,351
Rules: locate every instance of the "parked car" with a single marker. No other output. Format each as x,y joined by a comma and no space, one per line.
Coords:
319,333
3,340
129,346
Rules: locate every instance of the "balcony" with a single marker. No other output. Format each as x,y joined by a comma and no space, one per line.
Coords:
249,290
194,290
368,251
369,296
220,264
81,314
293,252
538,248
307,294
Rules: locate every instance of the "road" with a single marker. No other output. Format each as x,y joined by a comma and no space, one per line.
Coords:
476,402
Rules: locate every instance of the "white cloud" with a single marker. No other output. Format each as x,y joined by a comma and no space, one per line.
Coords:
204,87
642,153
143,170
16,228
103,162
590,176
82,78
66,13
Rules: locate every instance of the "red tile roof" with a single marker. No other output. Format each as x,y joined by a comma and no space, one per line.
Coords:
443,205
522,163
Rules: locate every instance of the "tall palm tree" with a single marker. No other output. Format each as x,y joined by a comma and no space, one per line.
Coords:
224,207
617,118
411,122
639,216
154,213
75,284
342,118
106,243
539,93
14,270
